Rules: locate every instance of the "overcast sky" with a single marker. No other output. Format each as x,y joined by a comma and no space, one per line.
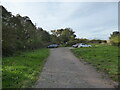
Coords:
92,20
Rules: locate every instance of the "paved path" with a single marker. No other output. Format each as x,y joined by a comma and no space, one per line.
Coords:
64,70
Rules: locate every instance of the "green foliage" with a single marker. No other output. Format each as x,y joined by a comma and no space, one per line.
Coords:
115,38
83,40
72,42
19,33
103,57
22,71
55,39
95,41
63,35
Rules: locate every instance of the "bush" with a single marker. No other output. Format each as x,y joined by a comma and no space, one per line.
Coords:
115,38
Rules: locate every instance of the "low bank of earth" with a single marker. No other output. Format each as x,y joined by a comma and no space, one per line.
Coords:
22,71
103,57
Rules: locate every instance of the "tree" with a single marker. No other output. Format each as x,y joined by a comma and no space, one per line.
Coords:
64,35
19,33
42,38
55,39
115,38
8,32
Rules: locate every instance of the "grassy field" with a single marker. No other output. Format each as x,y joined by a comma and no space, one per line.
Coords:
22,71
103,57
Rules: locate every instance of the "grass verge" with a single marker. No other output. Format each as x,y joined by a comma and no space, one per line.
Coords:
22,71
103,57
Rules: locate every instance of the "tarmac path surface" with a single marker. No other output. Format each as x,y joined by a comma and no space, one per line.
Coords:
64,70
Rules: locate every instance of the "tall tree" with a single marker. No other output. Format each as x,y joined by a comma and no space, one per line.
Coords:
64,35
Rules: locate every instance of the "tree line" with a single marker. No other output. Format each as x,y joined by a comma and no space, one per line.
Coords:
20,34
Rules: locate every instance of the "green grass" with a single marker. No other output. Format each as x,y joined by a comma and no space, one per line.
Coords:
22,71
103,57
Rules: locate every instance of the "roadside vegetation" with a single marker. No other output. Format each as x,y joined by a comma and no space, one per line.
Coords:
24,53
22,71
115,38
103,57
20,34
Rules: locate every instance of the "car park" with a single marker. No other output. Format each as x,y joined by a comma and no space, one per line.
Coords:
53,46
84,45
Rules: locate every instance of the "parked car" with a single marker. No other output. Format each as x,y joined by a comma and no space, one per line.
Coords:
53,46
83,45
76,45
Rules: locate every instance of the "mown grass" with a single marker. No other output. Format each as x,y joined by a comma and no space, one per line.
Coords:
22,71
103,57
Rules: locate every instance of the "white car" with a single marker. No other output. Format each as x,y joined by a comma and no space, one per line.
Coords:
76,45
83,45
